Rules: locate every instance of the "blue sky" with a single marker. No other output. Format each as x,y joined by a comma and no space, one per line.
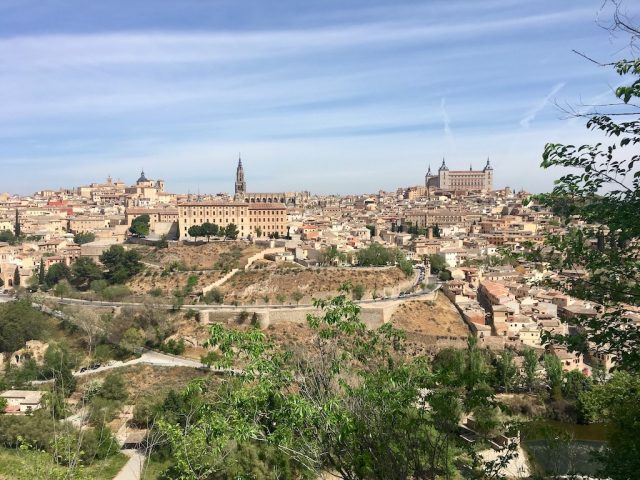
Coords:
327,96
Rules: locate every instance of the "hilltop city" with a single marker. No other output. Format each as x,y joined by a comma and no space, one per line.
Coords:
455,227
113,292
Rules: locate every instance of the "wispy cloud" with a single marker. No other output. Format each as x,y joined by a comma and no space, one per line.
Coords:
446,123
184,87
531,114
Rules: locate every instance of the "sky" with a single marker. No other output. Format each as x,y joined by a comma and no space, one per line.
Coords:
332,96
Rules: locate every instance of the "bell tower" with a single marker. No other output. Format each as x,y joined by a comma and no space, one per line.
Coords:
241,185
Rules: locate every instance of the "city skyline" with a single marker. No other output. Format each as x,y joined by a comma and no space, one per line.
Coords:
328,98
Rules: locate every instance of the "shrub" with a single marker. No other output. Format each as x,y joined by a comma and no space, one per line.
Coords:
98,286
173,347
214,296
115,292
113,387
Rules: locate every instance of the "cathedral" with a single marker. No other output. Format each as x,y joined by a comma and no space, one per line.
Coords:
288,198
457,180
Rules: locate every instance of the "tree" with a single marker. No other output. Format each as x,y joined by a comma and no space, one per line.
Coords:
350,403
91,323
358,291
231,231
372,230
553,369
41,273
445,275
62,288
602,189
19,322
57,272
331,255
140,225
16,277
436,231
195,231
214,296
84,237
84,271
530,365
438,263
121,264
258,232
58,363
7,236
132,340
506,371
616,403
16,229
209,230
297,296
113,387
163,242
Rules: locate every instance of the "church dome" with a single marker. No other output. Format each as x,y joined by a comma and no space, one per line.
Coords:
142,177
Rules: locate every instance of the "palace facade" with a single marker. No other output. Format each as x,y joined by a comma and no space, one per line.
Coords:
460,180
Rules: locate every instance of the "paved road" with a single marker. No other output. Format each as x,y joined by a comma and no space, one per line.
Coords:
76,301
132,470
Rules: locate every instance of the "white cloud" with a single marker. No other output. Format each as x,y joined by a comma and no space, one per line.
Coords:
531,114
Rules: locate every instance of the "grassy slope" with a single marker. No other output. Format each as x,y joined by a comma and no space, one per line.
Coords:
29,465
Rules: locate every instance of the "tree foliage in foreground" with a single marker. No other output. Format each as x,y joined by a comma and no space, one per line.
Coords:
599,201
603,191
350,403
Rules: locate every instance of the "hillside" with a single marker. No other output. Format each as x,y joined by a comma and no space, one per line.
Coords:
203,256
263,285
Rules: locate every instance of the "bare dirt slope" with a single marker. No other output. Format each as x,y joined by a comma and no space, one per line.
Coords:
437,318
151,381
256,285
149,280
197,257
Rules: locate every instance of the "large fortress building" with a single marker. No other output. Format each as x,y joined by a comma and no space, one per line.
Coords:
460,180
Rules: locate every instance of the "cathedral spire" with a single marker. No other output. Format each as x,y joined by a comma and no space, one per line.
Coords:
241,184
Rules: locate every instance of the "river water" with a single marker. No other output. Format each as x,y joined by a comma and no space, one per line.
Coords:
560,448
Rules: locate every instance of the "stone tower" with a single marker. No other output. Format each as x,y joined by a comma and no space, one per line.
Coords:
443,176
241,185
488,176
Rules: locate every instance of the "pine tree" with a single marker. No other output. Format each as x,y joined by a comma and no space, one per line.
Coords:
16,229
16,277
41,272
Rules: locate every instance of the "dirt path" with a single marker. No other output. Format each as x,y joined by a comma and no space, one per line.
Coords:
132,470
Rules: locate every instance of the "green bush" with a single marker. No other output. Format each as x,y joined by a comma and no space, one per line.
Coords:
113,387
115,292
214,296
173,347
156,292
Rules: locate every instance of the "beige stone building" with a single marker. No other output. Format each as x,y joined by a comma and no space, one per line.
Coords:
460,180
269,217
